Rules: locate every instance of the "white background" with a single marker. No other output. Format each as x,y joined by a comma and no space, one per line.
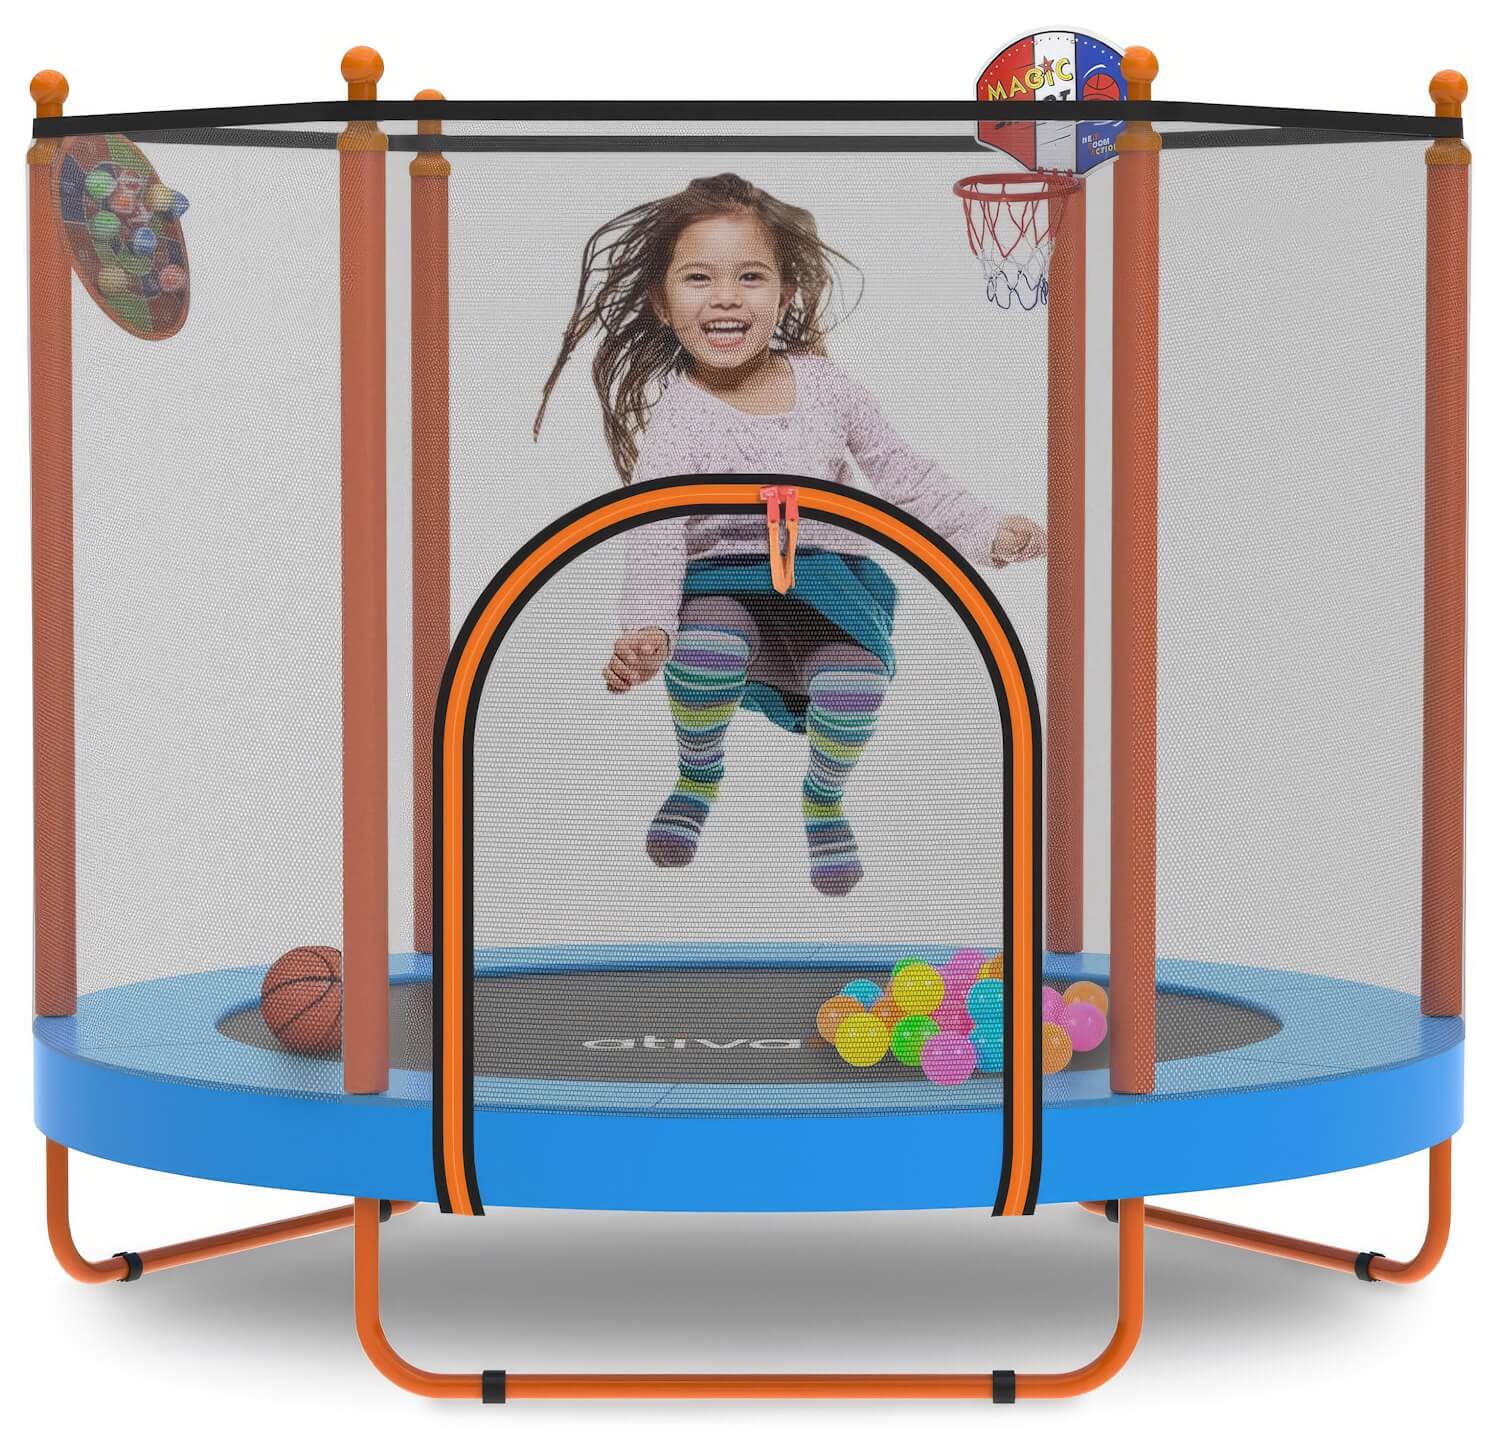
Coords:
259,1348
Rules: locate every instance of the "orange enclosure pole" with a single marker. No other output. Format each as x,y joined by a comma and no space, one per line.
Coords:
50,296
1065,575
430,480
1445,551
362,159
1132,926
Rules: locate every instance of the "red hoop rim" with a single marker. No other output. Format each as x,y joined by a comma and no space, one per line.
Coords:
1051,184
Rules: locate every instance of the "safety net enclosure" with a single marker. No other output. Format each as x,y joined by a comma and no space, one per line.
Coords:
749,657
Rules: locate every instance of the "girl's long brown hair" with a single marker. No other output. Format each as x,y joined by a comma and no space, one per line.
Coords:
626,261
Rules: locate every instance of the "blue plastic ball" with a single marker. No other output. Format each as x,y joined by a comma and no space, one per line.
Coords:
862,989
143,242
986,1000
989,1040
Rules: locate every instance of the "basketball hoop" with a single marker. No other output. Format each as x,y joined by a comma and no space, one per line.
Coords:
1012,221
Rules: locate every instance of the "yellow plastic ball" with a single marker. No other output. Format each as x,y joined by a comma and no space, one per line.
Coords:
862,1040
917,986
833,1013
1057,1048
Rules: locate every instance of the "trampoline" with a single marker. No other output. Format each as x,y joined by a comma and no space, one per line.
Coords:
1151,875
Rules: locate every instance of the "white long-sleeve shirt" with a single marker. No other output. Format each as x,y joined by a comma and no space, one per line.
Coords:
831,421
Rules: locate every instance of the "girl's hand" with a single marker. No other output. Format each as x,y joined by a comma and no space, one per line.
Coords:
637,657
1017,540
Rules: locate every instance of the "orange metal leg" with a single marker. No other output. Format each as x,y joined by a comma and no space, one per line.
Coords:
1367,1265
132,1265
499,1386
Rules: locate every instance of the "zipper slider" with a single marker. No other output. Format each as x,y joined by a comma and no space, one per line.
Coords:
781,506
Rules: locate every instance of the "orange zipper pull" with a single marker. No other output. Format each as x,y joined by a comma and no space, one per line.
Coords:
779,498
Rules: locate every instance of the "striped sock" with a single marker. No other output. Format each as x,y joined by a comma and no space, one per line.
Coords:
705,679
843,708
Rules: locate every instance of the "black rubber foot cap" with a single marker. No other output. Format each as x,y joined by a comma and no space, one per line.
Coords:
134,1270
1112,1211
1362,1265
385,1211
1003,1388
492,1387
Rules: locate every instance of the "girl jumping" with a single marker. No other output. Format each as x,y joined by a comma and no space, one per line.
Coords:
713,307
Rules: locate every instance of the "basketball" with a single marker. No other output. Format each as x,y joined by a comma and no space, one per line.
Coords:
302,1000
1101,86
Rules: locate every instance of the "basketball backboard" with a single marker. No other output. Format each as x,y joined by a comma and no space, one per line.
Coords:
1053,65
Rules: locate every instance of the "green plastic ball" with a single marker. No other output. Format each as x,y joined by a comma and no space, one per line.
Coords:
908,1037
104,226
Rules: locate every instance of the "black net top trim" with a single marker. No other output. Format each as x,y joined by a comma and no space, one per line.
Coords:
1239,125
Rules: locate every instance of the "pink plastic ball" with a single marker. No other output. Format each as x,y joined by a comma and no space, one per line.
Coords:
953,1016
949,1058
1052,1006
1085,1026
173,278
965,963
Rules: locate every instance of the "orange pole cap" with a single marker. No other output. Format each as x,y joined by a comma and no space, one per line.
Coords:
49,89
362,67
1139,67
430,128
1448,91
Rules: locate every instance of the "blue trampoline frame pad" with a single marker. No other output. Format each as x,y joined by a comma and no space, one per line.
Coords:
1354,1075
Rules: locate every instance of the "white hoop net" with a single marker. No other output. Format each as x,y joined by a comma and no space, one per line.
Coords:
1011,222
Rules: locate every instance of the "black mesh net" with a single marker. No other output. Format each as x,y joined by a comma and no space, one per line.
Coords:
613,973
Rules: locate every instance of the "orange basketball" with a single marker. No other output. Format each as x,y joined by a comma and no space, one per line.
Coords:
1101,87
302,1000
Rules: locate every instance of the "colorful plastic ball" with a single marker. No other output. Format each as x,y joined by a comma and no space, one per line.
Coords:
1084,1025
143,242
952,1017
1087,993
995,968
989,1043
173,278
178,207
949,1058
99,183
160,197
986,1000
113,280
862,989
150,285
862,1040
908,1037
1052,1005
104,226
1057,1048
833,1013
917,986
888,1011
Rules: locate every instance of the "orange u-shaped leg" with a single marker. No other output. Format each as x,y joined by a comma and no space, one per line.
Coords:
497,1386
1367,1265
131,1265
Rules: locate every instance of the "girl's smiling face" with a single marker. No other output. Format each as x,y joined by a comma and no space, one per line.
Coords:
723,294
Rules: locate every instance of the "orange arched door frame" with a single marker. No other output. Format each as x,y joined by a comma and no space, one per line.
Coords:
455,1172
